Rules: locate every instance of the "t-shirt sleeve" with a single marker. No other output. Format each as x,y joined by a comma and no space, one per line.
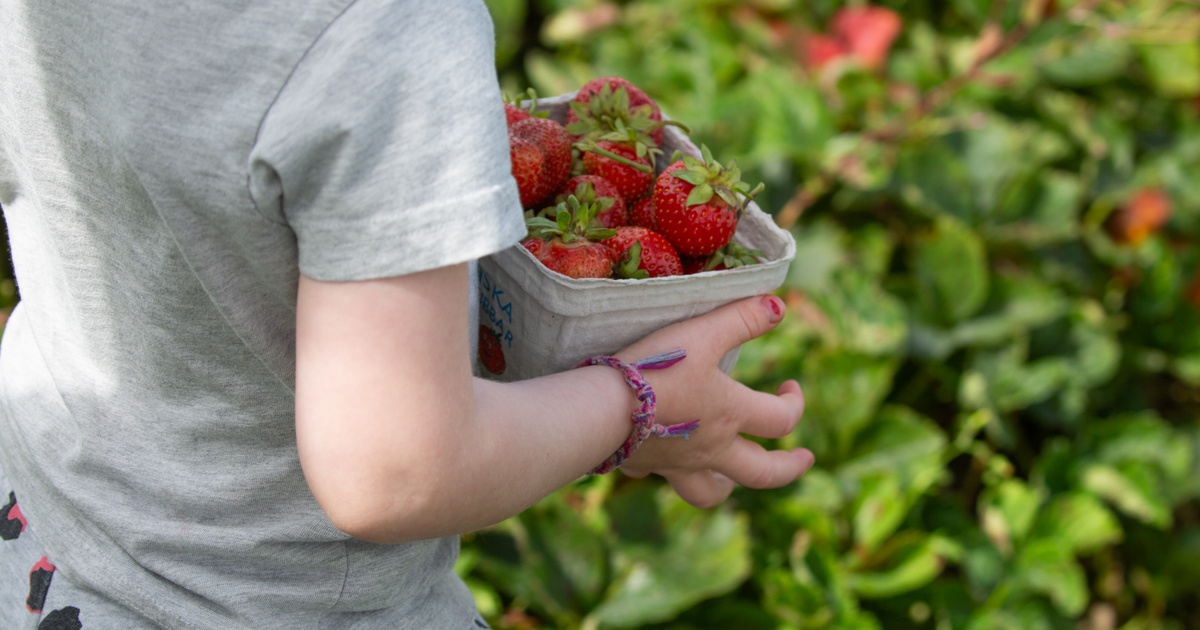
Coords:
386,151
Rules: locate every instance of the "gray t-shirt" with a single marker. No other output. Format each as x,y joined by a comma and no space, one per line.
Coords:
167,169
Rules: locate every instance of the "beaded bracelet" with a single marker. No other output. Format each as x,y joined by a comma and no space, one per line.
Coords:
643,419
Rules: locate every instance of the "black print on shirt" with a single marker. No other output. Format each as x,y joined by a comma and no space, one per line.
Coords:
39,584
12,523
62,619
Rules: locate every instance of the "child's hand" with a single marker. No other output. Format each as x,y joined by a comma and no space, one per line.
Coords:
704,468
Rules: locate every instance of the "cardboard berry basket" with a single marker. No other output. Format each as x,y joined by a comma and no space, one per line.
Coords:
539,322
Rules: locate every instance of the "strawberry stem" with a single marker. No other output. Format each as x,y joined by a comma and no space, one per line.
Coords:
594,148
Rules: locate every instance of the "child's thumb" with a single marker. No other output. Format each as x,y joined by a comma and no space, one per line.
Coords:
734,324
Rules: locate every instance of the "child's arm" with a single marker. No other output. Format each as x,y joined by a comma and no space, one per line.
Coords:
399,442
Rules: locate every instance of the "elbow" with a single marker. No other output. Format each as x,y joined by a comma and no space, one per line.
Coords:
373,503
381,518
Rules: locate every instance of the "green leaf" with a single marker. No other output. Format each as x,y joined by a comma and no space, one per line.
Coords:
700,194
915,564
1048,568
901,442
863,317
843,391
1007,512
707,554
1077,523
1086,63
933,179
878,510
950,265
1173,68
1132,488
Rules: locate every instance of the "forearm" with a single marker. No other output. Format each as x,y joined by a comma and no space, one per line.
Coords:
411,470
526,440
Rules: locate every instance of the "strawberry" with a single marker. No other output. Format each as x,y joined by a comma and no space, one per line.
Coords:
540,150
731,256
697,204
571,247
603,103
491,353
514,114
642,253
632,175
641,212
613,213
867,32
1146,211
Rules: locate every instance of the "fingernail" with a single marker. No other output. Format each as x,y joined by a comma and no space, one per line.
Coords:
775,305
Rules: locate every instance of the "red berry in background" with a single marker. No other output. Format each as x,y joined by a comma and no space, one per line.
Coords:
654,256
641,213
819,50
615,215
630,182
540,150
867,32
697,204
491,353
1143,214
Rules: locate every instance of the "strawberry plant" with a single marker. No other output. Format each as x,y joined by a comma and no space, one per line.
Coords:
994,311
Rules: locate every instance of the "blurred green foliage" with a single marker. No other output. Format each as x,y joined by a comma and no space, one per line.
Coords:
999,345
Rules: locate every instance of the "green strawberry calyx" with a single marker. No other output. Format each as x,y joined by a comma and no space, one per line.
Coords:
572,218
732,256
711,179
528,104
629,264
609,112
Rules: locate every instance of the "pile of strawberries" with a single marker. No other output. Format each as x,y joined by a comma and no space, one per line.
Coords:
597,203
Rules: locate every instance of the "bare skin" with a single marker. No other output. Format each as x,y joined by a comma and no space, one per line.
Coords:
399,442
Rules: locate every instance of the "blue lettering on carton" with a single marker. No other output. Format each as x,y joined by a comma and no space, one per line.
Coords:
492,305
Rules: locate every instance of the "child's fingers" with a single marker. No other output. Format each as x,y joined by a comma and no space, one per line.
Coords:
768,415
701,488
753,466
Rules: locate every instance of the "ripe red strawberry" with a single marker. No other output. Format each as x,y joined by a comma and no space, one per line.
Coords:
616,162
642,253
491,353
514,114
571,247
697,204
541,157
1146,211
604,102
731,256
641,213
613,214
867,32
577,259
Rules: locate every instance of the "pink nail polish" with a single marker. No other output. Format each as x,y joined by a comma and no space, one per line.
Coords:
775,305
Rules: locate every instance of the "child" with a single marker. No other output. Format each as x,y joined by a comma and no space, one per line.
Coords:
237,393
